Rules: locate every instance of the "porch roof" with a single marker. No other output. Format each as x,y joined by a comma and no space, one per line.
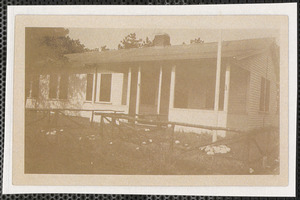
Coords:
238,49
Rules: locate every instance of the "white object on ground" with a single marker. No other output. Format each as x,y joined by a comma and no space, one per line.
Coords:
177,142
143,142
216,149
53,132
223,151
208,148
251,170
150,140
137,148
110,143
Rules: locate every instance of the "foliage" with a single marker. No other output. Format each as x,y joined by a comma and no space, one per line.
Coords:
104,48
92,50
45,47
147,43
196,41
130,41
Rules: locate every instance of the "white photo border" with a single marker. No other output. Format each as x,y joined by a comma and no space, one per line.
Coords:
288,9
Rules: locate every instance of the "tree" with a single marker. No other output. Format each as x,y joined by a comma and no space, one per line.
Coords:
104,48
46,47
147,43
92,50
196,41
130,41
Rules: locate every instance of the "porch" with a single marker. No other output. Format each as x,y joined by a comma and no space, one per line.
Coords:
194,92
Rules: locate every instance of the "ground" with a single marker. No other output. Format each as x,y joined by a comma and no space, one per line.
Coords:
65,147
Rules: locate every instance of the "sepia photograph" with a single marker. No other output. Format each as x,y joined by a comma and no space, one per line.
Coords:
151,102
146,101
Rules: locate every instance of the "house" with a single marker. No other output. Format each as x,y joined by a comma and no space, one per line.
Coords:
226,84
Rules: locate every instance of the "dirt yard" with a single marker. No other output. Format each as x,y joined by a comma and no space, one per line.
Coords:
68,148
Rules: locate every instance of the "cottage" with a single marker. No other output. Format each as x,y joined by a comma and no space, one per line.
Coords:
227,84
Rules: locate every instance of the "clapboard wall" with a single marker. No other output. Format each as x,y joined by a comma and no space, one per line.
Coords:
261,66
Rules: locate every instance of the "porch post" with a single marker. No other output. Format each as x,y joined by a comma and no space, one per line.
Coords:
217,89
94,86
218,74
227,87
172,87
128,86
58,86
137,108
97,90
30,88
159,89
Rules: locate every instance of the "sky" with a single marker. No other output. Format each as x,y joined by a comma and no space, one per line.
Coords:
111,37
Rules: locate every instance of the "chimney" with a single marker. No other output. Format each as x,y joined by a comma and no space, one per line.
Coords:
161,40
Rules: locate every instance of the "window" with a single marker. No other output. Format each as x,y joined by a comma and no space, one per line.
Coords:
264,95
89,87
105,87
32,87
53,86
58,86
35,86
63,86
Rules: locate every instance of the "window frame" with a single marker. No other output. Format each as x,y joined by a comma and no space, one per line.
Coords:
98,87
66,76
58,87
93,87
34,85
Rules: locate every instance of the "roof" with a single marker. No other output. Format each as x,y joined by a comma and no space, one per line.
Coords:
238,49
